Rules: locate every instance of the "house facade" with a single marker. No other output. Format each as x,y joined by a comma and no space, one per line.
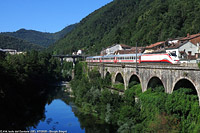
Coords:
186,50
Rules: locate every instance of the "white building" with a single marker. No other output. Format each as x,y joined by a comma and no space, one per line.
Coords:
9,51
185,51
111,50
79,52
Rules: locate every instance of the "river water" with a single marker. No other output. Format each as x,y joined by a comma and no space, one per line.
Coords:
54,111
59,117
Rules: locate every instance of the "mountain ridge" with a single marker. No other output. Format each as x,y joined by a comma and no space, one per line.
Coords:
131,21
8,42
41,38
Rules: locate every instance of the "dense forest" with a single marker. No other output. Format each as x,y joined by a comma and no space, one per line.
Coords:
7,42
134,111
131,21
41,38
25,79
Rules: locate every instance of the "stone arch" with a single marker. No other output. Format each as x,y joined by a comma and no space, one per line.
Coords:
154,82
119,82
108,78
119,78
107,73
134,79
185,83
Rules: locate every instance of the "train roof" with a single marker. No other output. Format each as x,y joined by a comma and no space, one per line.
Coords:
108,56
94,57
111,56
125,55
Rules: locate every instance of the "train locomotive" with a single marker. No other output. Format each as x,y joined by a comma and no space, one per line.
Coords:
169,58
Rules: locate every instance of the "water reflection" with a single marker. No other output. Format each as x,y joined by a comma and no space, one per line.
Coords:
59,116
52,110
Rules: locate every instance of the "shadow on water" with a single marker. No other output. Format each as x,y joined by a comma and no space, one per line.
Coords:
27,113
20,110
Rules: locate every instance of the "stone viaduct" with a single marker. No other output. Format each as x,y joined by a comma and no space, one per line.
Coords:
170,76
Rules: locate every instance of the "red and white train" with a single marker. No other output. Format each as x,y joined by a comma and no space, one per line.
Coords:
170,58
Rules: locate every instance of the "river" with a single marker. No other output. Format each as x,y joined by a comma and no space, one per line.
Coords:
59,116
53,111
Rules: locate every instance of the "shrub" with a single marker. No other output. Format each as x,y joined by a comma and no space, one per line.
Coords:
119,86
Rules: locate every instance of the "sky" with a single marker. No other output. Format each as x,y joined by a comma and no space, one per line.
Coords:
45,15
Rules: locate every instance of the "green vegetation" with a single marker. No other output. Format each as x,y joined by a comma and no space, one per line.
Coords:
25,78
33,69
67,70
40,38
119,86
130,21
151,111
7,42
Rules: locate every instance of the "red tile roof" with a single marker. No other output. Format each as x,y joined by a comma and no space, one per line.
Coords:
189,37
155,44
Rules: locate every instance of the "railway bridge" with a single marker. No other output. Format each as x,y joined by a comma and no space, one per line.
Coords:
149,75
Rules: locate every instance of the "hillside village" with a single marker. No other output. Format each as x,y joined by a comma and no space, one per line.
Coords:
186,48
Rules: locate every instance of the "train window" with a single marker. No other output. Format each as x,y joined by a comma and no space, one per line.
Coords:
173,54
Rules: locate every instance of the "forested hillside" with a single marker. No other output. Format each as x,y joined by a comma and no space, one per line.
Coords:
7,42
130,21
41,38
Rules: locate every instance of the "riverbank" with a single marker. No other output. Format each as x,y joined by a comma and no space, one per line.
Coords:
151,111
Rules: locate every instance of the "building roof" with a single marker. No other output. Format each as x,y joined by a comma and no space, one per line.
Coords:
192,38
131,51
189,37
125,52
155,44
125,46
178,45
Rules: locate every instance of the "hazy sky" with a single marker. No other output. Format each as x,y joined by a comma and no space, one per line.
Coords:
44,15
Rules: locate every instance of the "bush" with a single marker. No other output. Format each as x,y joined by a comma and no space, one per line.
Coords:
119,86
